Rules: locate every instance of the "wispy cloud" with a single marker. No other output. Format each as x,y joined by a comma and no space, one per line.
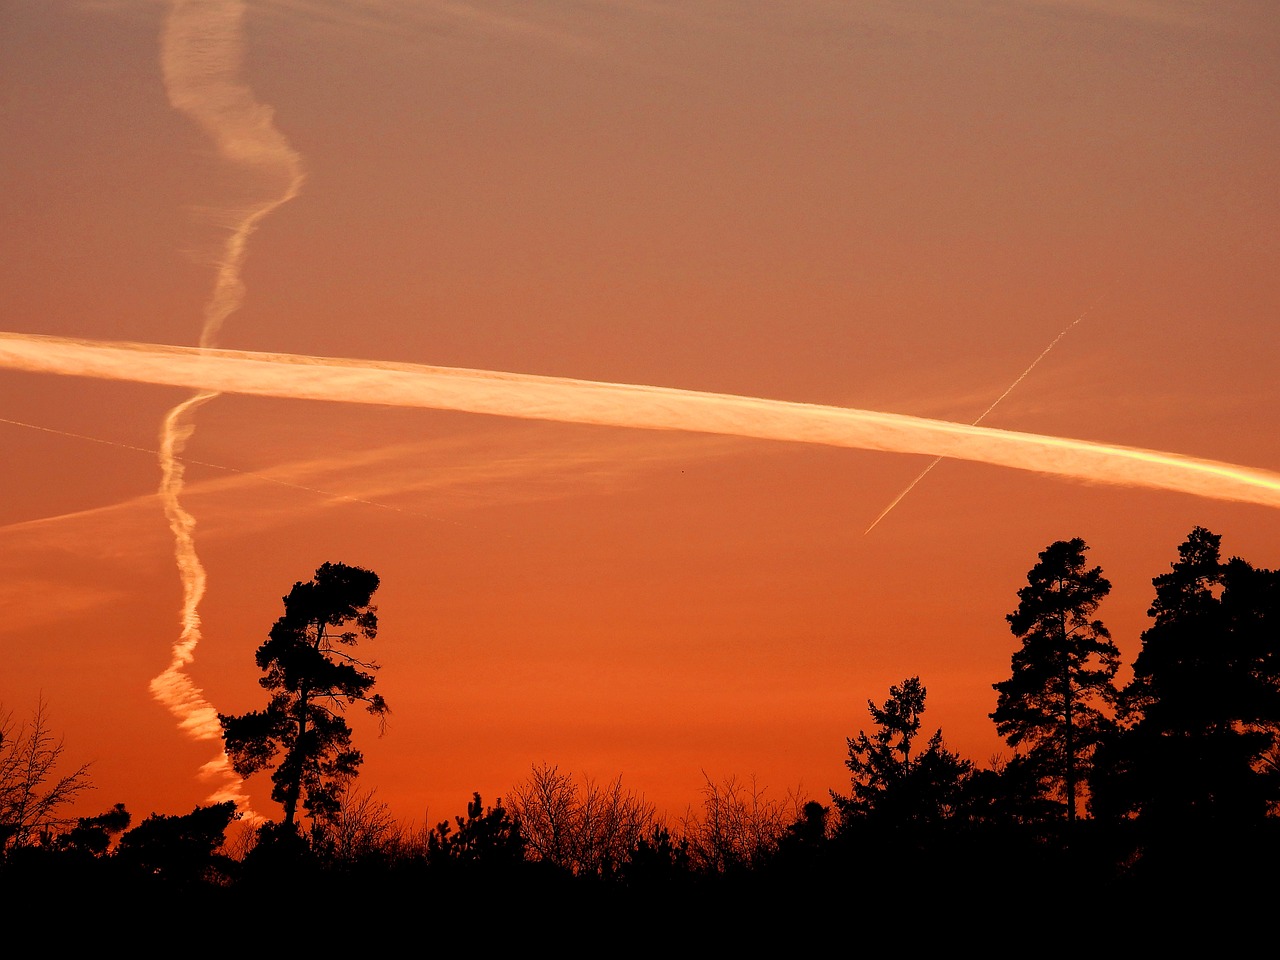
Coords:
544,24
431,481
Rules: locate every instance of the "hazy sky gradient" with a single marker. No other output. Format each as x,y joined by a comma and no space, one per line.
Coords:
884,206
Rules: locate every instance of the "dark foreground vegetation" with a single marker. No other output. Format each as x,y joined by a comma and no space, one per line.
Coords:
1154,803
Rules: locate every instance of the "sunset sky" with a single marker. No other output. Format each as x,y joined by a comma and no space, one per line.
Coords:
895,207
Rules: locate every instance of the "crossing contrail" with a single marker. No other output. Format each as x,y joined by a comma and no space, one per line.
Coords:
200,56
982,416
635,406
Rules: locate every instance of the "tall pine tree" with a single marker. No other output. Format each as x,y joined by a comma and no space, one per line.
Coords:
312,674
1057,700
1203,709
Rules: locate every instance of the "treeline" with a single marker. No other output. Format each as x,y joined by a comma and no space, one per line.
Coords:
1167,785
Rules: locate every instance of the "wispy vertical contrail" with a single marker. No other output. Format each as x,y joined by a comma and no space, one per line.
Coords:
200,55
982,416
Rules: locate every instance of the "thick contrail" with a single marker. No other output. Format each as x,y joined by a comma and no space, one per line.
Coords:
982,416
628,405
200,55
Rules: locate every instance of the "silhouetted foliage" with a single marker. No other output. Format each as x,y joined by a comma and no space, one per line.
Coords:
810,830
888,783
486,836
93,835
659,859
183,850
1062,683
280,857
312,675
1202,712
1010,792
804,845
1183,792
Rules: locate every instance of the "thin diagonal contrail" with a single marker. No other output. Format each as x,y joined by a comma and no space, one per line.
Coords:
982,416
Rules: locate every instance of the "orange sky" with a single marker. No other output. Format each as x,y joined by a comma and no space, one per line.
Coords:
893,207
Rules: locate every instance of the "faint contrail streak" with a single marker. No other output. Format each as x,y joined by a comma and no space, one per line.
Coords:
200,56
329,494
982,416
628,405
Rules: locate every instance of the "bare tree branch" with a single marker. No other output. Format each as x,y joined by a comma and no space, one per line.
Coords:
31,790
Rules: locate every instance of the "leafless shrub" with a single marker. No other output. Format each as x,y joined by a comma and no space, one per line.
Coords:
586,828
738,826
361,827
31,791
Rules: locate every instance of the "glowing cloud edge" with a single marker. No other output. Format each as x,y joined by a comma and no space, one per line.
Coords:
567,400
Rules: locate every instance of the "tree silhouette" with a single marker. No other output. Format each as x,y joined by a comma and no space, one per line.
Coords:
312,675
658,859
32,791
888,783
1063,675
1202,711
181,850
93,835
487,836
